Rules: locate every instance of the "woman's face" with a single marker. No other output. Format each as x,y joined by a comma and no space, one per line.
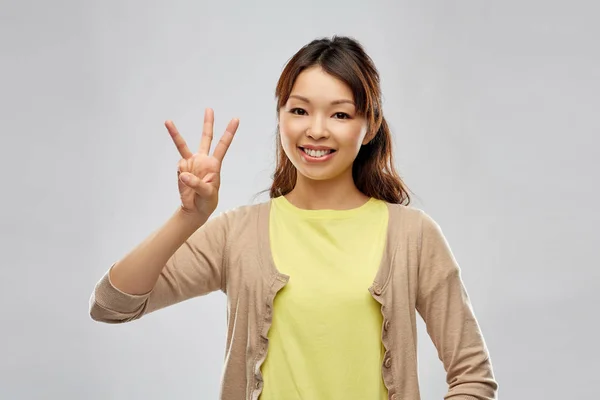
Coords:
320,130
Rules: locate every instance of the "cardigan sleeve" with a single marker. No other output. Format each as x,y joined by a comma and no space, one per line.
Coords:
196,269
444,305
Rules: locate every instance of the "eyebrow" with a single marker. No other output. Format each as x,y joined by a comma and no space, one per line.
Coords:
335,102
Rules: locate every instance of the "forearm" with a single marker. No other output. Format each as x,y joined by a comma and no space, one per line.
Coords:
139,270
444,304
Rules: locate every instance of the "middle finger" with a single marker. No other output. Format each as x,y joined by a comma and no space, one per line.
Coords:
207,131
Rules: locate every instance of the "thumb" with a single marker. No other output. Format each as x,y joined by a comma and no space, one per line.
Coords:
198,185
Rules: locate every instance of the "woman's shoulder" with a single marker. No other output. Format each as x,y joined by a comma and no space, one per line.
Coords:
412,219
242,216
417,223
402,213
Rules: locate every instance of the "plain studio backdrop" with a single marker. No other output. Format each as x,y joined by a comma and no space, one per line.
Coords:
494,107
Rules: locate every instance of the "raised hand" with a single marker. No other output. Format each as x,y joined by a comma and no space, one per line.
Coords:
200,173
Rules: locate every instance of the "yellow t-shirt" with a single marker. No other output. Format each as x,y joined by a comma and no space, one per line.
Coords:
325,339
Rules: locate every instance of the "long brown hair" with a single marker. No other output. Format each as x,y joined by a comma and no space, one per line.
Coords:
373,169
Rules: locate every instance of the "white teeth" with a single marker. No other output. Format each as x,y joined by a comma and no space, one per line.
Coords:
316,153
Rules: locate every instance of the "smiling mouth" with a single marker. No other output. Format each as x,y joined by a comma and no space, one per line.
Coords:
317,153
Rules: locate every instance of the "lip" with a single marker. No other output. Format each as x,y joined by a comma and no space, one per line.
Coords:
311,159
313,147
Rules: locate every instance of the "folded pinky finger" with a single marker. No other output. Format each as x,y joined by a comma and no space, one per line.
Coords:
195,183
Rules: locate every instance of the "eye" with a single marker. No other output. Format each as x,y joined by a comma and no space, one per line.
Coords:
341,115
298,111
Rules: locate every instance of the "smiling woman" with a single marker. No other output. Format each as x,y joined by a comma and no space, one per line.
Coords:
325,279
329,97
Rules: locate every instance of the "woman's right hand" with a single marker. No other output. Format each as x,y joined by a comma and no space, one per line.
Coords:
200,174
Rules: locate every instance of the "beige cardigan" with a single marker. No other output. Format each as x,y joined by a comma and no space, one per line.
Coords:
418,273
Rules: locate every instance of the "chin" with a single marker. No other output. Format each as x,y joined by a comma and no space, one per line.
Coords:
320,176
317,178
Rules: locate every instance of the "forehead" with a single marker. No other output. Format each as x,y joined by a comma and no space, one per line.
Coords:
315,82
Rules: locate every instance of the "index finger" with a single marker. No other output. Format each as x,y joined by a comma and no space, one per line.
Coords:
178,140
223,145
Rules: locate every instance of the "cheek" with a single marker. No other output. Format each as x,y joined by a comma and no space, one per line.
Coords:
290,130
352,137
292,126
286,137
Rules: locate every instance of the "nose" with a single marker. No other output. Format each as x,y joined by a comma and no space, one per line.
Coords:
317,129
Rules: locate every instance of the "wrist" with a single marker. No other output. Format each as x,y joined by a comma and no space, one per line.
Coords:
190,220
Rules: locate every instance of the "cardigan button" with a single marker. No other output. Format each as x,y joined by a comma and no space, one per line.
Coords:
386,324
388,362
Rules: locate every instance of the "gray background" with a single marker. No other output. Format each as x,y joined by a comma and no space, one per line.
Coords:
495,110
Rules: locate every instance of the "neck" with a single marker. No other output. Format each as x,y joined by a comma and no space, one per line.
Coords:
339,193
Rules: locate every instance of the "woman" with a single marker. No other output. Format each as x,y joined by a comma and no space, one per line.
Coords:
324,280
